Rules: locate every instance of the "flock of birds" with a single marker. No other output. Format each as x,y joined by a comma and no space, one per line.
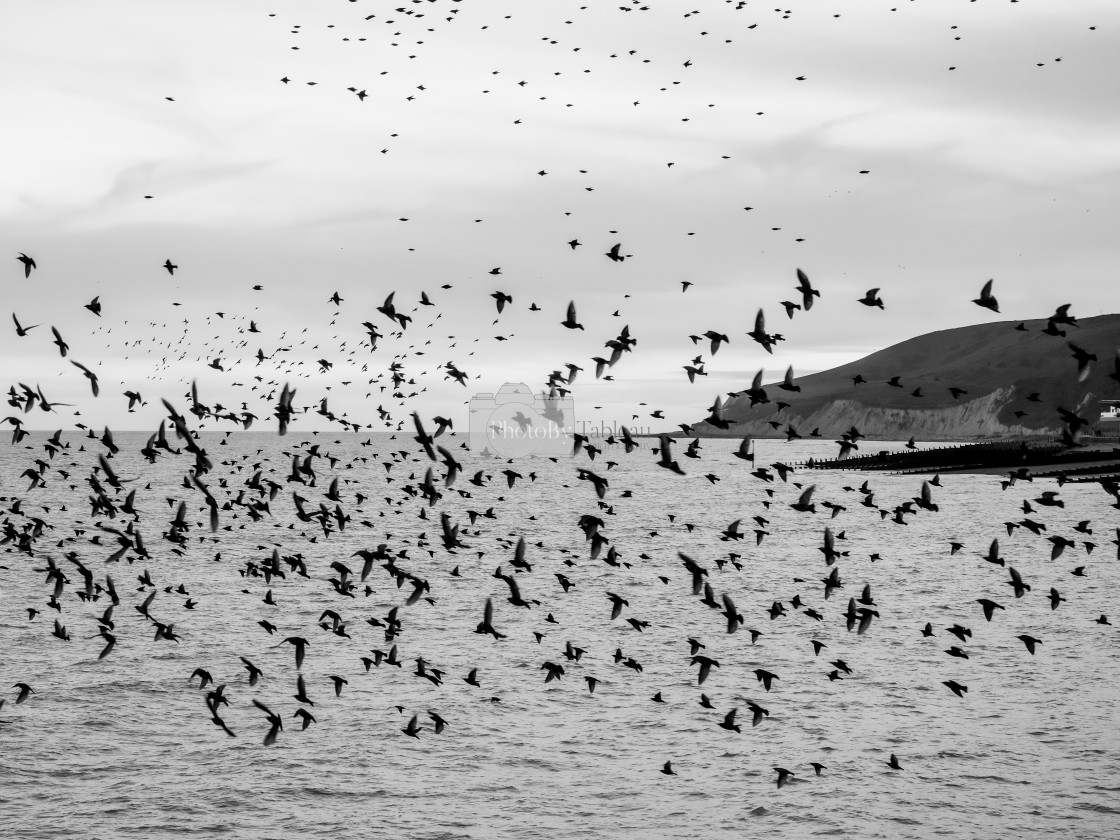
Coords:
76,570
316,497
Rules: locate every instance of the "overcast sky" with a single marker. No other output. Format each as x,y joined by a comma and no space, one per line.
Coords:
921,148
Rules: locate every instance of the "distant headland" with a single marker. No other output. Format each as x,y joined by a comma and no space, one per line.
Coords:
1005,380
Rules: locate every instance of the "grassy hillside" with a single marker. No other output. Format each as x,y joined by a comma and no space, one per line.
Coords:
995,364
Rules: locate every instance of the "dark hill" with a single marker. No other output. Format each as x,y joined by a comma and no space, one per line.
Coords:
997,366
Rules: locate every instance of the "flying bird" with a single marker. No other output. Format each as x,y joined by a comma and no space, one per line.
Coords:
21,330
88,374
759,333
28,264
570,321
276,723
806,289
872,299
986,299
62,345
613,253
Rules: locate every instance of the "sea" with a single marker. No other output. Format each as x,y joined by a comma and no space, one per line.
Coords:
125,746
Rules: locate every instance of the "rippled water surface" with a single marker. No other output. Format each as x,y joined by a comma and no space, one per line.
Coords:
124,746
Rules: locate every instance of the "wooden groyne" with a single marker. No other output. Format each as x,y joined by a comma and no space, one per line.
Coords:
1039,459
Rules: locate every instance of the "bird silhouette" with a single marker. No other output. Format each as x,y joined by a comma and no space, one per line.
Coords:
276,724
989,606
28,264
872,298
487,624
765,677
570,321
614,254
806,289
986,299
21,330
90,375
300,644
1029,641
412,729
63,347
954,687
759,334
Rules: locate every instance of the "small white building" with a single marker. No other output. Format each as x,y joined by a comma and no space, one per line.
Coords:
1109,424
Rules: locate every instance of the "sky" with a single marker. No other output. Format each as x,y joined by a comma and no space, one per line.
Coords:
921,147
